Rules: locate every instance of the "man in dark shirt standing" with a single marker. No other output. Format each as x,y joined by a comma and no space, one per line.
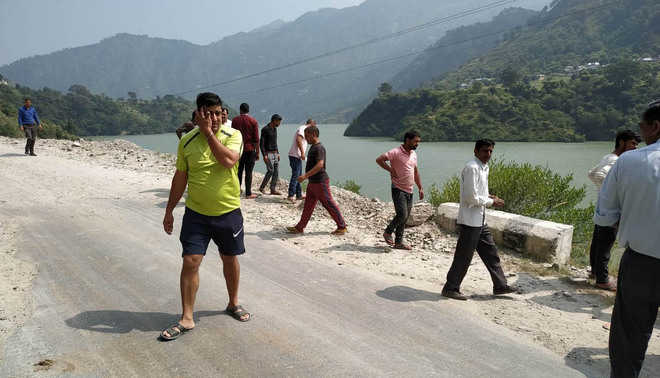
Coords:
268,146
28,120
249,128
318,188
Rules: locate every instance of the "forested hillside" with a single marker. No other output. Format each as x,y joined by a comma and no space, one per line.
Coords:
460,45
79,112
538,84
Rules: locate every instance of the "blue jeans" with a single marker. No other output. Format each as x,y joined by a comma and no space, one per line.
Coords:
296,171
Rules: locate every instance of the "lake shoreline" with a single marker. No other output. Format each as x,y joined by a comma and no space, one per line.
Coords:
438,161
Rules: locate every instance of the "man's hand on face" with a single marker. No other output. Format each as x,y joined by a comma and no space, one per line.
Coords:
168,222
203,120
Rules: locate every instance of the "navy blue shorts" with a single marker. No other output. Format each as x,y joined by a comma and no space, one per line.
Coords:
226,230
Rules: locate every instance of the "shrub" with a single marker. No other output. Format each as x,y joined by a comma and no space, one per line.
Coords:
350,185
536,192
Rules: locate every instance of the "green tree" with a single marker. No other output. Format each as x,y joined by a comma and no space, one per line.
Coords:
385,89
509,77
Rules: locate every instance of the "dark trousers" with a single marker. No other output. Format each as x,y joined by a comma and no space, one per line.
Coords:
246,163
272,171
601,244
635,312
296,171
402,206
469,239
320,191
31,135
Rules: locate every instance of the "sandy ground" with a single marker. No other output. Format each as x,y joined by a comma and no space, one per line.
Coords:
563,313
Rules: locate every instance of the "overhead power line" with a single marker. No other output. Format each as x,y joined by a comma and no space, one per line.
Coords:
393,58
412,29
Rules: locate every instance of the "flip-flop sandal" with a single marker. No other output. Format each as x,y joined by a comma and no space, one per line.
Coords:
174,331
238,312
403,246
388,239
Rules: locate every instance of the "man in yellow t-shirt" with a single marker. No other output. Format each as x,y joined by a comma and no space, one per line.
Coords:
206,162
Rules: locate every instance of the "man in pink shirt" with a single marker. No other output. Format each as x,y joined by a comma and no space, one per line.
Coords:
403,170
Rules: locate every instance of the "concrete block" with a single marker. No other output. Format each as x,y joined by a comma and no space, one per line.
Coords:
544,240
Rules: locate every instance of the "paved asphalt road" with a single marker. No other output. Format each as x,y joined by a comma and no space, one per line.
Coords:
108,283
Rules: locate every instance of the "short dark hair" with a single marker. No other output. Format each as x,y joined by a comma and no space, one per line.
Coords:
410,135
192,117
27,99
485,142
244,108
624,136
652,114
309,120
276,117
313,130
208,99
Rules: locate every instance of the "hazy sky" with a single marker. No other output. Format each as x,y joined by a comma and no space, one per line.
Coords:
31,27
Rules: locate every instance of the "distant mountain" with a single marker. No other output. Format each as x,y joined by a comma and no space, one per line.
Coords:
154,67
529,92
572,33
459,46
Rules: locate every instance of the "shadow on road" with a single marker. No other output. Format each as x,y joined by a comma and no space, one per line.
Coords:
162,193
163,204
350,247
11,155
408,294
598,362
115,321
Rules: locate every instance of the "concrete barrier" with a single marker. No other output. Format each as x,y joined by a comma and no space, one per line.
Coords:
547,241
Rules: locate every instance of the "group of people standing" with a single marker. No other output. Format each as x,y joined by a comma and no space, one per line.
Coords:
215,154
213,158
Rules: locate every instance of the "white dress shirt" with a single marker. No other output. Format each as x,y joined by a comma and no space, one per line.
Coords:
474,194
598,173
631,196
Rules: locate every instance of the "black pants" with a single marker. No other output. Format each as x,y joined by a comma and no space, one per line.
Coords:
469,239
635,312
31,135
272,171
246,163
601,245
402,206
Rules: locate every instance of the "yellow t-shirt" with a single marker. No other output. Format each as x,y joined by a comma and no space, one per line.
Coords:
212,189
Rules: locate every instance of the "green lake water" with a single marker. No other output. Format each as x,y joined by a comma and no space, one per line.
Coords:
355,158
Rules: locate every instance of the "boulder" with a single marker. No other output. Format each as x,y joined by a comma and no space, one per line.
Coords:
547,241
421,212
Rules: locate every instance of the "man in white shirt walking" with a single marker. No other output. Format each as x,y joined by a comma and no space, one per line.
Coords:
603,237
474,232
630,196
296,157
